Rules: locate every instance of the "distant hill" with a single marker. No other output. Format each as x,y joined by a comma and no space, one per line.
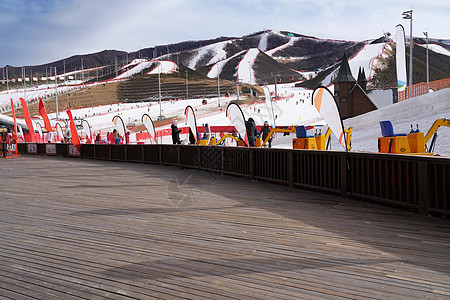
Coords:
282,55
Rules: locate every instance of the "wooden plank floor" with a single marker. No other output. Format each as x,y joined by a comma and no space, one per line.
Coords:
83,229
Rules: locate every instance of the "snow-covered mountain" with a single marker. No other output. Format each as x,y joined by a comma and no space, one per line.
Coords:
262,57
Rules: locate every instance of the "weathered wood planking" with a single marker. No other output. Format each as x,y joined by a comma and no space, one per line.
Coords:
80,229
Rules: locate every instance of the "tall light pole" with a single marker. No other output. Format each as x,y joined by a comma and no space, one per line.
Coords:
218,87
187,86
65,83
250,72
56,90
7,80
161,117
237,89
24,87
408,15
82,72
428,67
276,75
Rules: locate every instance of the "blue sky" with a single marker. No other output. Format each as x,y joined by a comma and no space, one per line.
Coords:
41,31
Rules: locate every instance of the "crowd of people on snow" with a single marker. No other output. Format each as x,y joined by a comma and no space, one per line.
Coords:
251,130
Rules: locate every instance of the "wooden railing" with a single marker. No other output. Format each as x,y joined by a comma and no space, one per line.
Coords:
418,183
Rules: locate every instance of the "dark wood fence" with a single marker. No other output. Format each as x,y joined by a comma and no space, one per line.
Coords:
418,183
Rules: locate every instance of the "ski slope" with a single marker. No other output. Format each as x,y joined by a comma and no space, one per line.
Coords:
164,67
365,58
217,51
294,108
245,70
436,48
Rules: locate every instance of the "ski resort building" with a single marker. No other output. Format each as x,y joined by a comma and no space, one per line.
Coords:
351,95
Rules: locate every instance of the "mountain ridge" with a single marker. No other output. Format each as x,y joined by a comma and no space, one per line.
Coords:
282,53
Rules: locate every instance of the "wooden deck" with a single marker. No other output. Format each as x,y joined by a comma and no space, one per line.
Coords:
82,229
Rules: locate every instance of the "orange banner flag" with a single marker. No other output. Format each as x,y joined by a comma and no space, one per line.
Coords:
73,131
44,116
27,117
14,116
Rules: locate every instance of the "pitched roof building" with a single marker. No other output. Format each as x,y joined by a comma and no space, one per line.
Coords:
350,94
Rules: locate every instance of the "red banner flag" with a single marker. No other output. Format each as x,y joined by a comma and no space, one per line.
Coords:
73,131
14,116
27,117
44,116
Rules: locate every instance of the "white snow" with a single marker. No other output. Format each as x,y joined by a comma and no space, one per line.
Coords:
262,45
217,50
217,68
164,67
365,58
41,91
422,110
381,98
245,68
294,108
291,42
436,48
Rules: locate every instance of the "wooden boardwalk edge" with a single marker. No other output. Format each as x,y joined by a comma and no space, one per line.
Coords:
83,229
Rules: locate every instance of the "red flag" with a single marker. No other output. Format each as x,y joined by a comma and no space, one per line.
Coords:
73,131
14,116
27,117
44,116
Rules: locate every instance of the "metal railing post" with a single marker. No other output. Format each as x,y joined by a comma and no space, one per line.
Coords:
424,192
252,163
290,168
344,174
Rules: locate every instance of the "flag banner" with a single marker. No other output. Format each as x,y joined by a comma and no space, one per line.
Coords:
60,132
41,133
87,130
191,120
148,123
73,131
120,126
269,106
21,132
44,116
325,104
236,116
27,117
14,117
400,58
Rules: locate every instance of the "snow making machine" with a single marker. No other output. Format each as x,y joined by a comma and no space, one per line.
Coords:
317,141
414,142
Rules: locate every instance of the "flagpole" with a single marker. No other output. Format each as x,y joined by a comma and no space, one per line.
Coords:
408,15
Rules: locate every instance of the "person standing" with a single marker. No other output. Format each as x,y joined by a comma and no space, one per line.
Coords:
207,133
192,139
67,137
265,130
49,136
116,136
175,133
252,132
